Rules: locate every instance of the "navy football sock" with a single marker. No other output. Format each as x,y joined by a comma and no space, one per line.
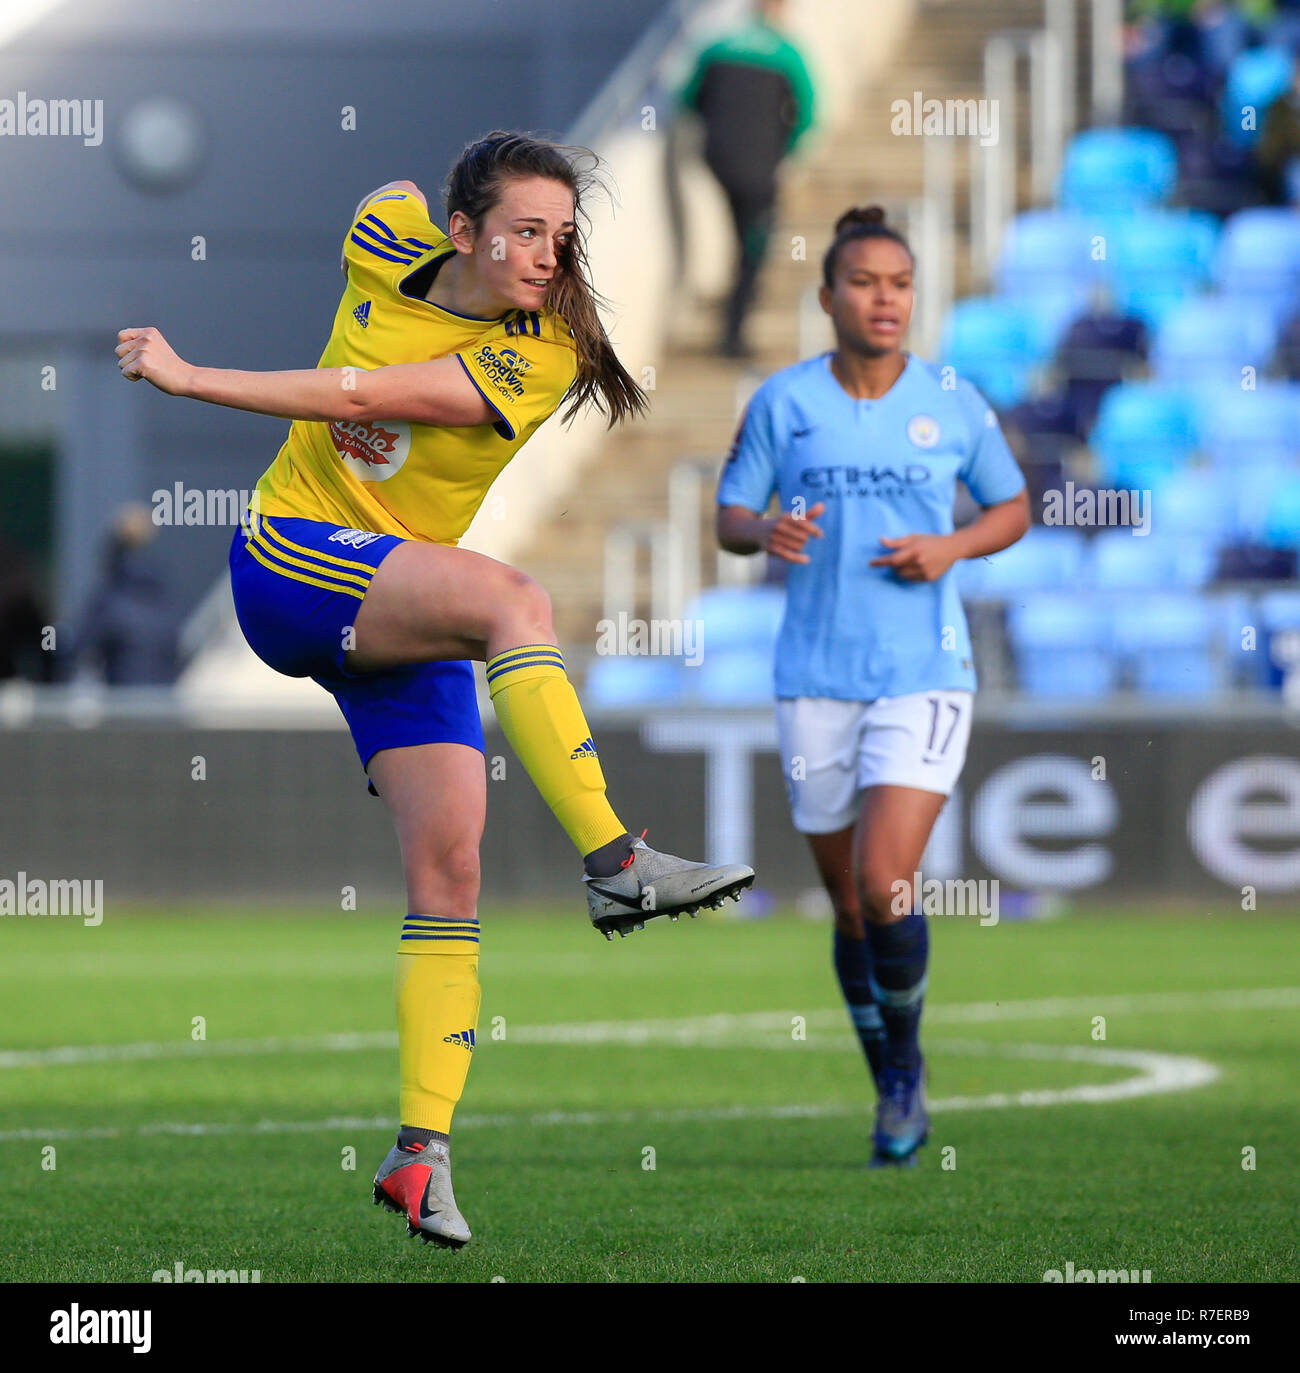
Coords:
899,953
853,968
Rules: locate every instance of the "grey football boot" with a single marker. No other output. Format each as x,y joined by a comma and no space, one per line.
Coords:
417,1181
652,883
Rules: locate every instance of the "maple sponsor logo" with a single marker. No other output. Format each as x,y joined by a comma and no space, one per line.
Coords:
374,452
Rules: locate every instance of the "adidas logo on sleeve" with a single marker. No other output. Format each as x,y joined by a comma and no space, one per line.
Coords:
362,314
586,749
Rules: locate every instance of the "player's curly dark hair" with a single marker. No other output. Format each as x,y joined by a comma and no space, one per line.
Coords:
474,185
859,222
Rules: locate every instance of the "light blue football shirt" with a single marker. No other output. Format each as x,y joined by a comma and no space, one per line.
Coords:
885,467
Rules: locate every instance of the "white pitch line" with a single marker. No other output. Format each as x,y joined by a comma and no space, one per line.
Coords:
1156,1073
722,1031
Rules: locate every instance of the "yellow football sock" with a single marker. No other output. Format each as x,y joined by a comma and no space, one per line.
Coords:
437,1015
539,712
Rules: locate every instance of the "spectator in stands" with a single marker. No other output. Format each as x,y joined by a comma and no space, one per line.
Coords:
1277,154
753,92
130,630
22,619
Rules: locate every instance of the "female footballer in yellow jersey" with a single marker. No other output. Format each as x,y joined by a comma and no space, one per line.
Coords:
446,353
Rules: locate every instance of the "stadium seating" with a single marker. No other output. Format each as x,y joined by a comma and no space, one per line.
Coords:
1122,560
1259,258
1046,559
633,681
1143,432
1260,427
1282,521
735,677
1255,79
1117,169
1062,645
738,617
997,345
1209,341
1169,643
1046,249
1193,504
1157,259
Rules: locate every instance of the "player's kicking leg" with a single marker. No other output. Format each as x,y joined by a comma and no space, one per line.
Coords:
426,602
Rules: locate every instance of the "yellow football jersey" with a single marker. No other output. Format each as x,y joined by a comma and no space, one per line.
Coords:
418,481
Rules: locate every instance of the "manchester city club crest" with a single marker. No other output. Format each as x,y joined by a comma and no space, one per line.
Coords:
923,431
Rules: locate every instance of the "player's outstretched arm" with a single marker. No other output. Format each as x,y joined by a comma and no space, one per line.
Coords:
742,531
438,392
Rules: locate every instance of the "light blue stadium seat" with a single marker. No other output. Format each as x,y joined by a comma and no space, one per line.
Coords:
1144,430
1255,494
1062,644
1282,522
1239,428
1156,259
732,677
1254,81
1209,340
1280,610
1170,642
1046,559
633,681
1194,503
994,344
1119,560
1044,250
1117,169
1259,257
738,617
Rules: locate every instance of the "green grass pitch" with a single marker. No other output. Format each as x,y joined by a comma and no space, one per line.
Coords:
687,1105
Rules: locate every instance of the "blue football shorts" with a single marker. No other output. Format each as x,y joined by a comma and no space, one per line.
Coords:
297,585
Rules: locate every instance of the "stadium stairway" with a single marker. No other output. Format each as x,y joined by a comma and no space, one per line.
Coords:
698,395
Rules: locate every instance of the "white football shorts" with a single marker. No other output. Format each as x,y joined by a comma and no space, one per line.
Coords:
831,751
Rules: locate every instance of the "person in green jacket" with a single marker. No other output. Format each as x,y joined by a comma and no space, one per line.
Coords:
752,90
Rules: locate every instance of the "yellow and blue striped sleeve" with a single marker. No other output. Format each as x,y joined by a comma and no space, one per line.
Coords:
391,227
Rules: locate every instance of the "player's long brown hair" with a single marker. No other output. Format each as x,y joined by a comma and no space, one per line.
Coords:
474,186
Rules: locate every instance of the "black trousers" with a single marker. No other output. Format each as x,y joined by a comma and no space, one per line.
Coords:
753,209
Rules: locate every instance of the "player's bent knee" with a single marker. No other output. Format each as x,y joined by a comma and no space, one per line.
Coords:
883,902
528,604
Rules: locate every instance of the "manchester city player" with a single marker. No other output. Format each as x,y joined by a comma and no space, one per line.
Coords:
447,351
863,447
